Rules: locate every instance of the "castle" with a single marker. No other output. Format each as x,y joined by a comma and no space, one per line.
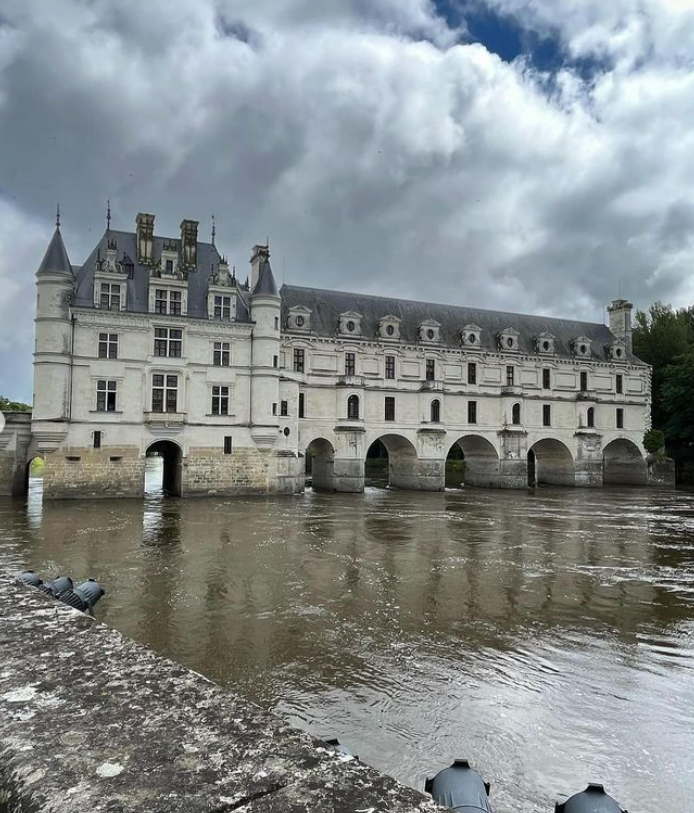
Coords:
153,346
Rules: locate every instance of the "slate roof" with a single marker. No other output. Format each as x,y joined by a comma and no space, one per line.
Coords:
326,307
266,281
55,260
208,259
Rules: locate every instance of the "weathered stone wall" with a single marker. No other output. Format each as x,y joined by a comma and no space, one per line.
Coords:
15,440
91,721
85,472
208,471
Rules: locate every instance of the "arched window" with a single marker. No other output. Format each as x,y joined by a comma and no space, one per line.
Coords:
435,411
590,417
516,415
353,407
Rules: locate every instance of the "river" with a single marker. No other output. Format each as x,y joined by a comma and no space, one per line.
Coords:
546,636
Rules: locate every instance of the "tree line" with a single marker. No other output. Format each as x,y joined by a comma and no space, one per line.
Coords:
664,338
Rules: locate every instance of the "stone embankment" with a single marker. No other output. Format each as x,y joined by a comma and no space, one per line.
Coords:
91,721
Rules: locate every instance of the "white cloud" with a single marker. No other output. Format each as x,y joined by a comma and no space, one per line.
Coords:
377,155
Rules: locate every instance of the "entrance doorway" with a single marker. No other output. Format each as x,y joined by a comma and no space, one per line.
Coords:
163,469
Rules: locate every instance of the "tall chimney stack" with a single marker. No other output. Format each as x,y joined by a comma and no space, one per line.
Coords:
144,228
189,243
620,321
259,255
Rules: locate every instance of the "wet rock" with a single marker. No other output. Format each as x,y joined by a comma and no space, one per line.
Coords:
113,727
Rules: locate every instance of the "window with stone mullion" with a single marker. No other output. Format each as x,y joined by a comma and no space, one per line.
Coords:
222,307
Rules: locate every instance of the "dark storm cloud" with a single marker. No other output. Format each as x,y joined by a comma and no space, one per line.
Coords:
375,152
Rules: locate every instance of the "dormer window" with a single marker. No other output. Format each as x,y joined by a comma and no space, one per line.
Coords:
110,280
169,266
221,293
545,343
389,327
299,319
350,324
581,347
429,332
471,336
508,340
617,350
169,259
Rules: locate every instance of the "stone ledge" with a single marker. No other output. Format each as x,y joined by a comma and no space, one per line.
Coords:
91,720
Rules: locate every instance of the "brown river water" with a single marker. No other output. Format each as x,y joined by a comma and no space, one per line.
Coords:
547,636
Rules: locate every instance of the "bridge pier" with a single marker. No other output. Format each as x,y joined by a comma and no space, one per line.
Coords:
15,440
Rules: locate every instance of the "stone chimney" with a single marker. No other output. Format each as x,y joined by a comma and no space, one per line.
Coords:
258,257
189,243
620,321
144,229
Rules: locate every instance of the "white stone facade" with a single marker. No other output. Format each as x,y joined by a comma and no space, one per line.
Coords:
154,346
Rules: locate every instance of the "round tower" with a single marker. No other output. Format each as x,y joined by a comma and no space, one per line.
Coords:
53,346
265,307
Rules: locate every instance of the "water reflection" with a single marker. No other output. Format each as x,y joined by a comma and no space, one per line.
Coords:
547,636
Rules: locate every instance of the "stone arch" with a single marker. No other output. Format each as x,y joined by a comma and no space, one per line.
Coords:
622,462
171,454
480,461
550,462
320,464
401,470
33,483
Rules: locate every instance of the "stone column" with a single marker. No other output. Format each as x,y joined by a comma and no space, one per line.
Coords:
430,468
513,462
588,458
349,459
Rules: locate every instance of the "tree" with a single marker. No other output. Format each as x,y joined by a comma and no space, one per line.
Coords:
677,397
661,336
13,406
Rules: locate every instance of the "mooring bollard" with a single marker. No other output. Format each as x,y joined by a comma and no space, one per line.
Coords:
460,788
591,800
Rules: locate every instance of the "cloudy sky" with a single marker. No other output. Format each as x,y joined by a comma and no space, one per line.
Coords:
530,155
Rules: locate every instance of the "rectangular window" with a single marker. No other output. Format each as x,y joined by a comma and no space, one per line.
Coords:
164,393
510,375
299,358
472,411
390,367
274,409
106,396
109,296
471,373
220,400
302,405
227,444
284,409
168,342
222,307
620,418
167,302
97,440
546,379
275,362
169,266
220,354
277,323
390,408
108,345
546,415
584,382
619,384
350,363
430,370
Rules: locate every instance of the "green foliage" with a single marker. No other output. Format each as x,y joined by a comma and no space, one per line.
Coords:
13,406
654,441
661,336
678,397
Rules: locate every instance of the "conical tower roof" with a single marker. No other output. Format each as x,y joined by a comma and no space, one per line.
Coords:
266,285
55,260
